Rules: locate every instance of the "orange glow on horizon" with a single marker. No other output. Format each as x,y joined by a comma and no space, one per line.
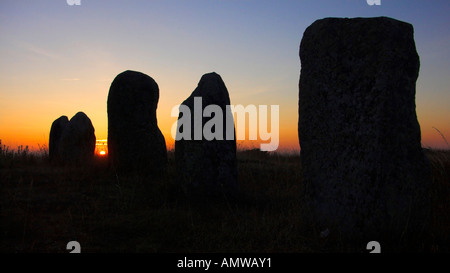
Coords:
101,147
288,141
35,136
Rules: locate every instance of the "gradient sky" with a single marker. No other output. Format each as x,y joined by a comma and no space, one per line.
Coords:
58,59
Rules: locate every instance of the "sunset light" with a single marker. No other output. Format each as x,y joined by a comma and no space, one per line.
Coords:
66,63
101,147
257,127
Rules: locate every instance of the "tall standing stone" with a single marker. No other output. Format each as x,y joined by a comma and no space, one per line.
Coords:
207,167
363,168
135,142
56,132
77,142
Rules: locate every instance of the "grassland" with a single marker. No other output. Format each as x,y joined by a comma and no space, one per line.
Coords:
43,207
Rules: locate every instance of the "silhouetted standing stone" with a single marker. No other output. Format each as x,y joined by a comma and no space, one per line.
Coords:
77,142
208,167
56,132
364,172
135,142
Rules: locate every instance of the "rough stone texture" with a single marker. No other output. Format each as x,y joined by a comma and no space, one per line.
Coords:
56,131
135,143
77,142
364,171
208,167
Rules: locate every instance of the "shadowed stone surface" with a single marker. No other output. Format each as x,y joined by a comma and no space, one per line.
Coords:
77,142
135,142
56,132
208,167
364,171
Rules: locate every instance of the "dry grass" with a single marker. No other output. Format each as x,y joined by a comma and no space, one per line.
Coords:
440,193
43,207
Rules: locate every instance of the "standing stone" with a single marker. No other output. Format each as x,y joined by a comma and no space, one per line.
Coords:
208,167
364,172
77,142
56,131
135,143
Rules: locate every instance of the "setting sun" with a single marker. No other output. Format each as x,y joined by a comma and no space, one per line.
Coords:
101,147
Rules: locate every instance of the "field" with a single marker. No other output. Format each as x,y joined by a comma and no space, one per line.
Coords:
43,207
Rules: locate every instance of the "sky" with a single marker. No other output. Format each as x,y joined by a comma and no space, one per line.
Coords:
57,59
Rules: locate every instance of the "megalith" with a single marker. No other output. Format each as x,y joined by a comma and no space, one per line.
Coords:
364,173
56,132
135,142
207,165
77,142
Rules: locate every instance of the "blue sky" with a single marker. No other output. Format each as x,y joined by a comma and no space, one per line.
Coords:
58,59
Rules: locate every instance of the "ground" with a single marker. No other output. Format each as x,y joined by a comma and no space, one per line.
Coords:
43,207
